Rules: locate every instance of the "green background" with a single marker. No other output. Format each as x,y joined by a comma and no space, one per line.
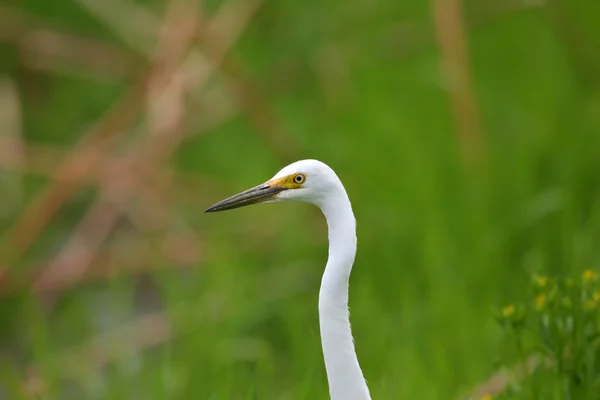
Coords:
443,237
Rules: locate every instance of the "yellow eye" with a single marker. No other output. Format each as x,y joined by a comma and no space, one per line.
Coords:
299,178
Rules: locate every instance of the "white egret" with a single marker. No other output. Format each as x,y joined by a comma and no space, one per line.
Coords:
314,182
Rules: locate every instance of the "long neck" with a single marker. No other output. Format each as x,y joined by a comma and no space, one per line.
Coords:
346,381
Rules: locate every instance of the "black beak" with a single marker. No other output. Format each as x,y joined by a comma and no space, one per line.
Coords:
258,194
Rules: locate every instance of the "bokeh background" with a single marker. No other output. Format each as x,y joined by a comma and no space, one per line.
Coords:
467,135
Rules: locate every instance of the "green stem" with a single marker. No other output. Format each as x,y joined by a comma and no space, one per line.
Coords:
523,359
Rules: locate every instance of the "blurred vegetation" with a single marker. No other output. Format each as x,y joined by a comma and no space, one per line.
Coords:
467,135
556,336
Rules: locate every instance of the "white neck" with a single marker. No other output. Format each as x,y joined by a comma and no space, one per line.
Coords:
346,381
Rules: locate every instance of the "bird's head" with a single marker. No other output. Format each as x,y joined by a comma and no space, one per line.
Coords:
308,181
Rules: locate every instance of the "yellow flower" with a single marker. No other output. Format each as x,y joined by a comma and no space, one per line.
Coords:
596,296
540,301
590,275
486,397
589,305
508,311
541,281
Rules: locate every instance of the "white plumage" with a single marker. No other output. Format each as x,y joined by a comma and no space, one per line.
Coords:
314,182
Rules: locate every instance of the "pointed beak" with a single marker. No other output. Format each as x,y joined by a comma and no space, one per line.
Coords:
258,194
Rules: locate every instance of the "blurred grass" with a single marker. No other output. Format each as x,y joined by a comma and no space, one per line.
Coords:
358,85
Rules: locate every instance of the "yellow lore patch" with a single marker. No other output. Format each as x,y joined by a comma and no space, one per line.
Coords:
293,181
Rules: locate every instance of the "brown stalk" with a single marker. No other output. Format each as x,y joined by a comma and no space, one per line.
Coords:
15,24
165,124
74,169
500,381
134,24
42,159
47,50
47,46
455,67
12,146
78,254
127,256
80,250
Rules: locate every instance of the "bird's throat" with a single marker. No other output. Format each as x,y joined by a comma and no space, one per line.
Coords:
346,380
